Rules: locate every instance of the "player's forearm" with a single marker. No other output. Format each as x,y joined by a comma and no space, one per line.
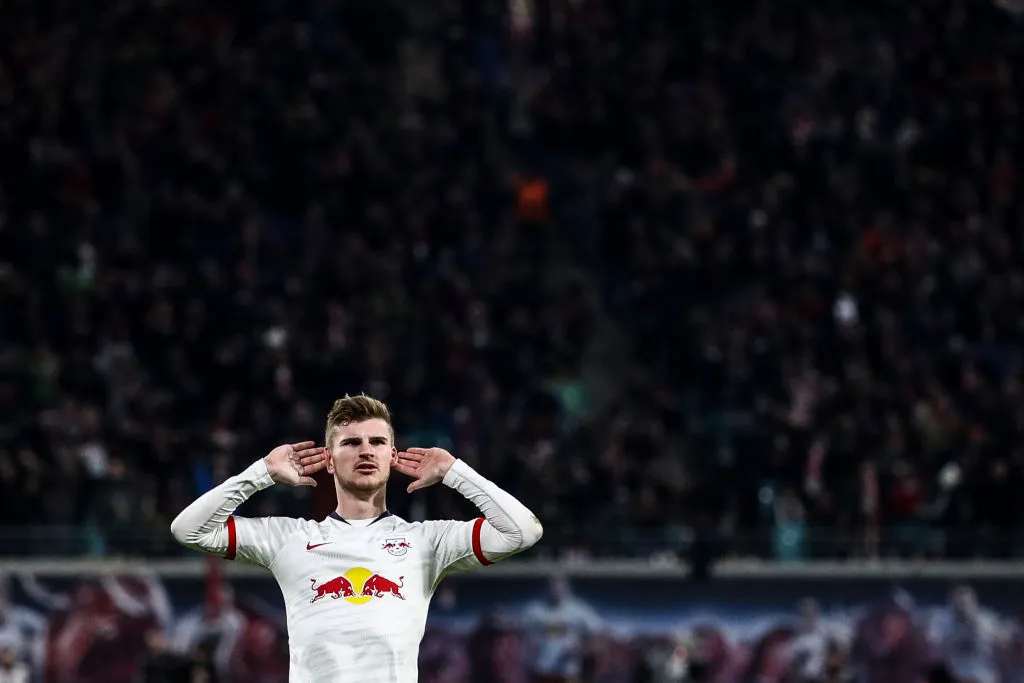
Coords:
202,524
511,525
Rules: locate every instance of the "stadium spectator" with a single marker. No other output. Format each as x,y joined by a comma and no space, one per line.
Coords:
638,262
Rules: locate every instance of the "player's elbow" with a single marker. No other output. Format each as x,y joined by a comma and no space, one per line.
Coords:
532,533
181,531
184,532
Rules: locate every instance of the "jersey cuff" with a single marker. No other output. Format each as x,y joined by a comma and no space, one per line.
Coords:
454,474
257,473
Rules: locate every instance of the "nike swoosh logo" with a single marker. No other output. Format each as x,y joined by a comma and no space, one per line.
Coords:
310,546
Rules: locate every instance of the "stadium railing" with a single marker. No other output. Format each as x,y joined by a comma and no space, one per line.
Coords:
155,542
733,569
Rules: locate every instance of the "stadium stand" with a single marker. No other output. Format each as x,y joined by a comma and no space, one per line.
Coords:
655,267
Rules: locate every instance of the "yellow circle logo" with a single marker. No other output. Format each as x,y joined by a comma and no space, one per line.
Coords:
358,577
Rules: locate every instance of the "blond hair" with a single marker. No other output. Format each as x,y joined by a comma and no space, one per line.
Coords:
351,409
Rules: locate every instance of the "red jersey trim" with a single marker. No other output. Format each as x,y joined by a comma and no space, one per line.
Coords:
232,539
477,548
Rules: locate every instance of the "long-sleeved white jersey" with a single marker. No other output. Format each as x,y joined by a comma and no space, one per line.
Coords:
356,593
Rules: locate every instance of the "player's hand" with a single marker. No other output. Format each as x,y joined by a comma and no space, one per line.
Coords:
426,465
293,463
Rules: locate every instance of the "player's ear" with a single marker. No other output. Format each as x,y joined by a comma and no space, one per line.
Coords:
330,463
394,456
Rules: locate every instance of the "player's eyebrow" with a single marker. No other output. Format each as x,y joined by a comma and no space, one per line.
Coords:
350,440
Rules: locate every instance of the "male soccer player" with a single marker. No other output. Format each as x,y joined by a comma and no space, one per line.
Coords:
967,638
559,629
357,585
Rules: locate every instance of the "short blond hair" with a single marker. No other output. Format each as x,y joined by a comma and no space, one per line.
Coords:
359,408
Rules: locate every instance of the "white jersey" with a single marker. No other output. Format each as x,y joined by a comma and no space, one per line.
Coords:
23,631
968,645
808,652
558,631
356,593
18,673
223,631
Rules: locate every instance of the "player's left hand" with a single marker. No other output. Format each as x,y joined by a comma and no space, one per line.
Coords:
426,465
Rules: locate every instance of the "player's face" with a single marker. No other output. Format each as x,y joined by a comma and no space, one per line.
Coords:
362,454
964,602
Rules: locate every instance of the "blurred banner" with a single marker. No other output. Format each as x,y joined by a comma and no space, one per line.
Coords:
62,626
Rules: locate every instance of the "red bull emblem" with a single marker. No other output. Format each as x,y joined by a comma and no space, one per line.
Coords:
396,546
378,587
338,587
358,586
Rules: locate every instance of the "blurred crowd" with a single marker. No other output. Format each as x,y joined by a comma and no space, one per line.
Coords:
745,273
142,628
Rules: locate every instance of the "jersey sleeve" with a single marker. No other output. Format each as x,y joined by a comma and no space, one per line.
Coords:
257,540
458,546
507,527
209,523
589,619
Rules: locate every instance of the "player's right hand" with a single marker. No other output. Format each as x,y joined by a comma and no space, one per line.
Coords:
293,463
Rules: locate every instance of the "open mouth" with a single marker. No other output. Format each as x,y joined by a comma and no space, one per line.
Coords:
366,468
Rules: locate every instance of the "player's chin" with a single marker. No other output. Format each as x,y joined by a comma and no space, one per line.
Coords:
367,480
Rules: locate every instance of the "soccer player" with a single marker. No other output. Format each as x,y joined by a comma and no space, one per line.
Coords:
357,585
559,629
967,638
23,631
807,655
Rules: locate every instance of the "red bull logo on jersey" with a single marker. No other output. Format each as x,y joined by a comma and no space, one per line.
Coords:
358,586
338,587
397,546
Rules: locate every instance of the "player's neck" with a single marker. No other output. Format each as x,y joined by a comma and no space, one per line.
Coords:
354,506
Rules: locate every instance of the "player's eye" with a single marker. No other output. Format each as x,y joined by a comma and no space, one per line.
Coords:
378,441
